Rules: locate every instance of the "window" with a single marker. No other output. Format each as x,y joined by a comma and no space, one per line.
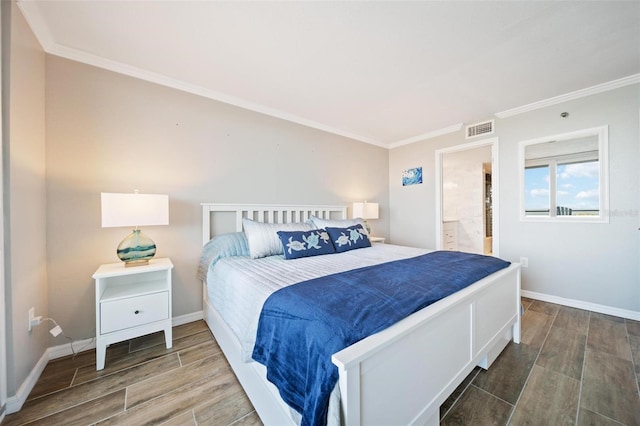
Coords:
563,177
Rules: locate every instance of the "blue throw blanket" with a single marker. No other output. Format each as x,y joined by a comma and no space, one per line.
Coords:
302,325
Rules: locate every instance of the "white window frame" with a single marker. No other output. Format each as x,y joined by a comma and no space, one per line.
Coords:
602,132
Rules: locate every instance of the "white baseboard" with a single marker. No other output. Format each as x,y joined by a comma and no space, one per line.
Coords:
14,403
588,306
78,346
187,318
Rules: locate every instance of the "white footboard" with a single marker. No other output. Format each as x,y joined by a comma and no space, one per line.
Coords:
403,374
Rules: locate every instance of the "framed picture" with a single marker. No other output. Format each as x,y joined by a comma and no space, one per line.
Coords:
412,176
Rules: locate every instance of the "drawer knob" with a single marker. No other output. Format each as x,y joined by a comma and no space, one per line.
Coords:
137,312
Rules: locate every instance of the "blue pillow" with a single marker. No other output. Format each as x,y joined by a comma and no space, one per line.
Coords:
298,244
345,239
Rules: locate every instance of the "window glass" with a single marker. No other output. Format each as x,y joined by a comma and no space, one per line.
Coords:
564,177
536,186
577,188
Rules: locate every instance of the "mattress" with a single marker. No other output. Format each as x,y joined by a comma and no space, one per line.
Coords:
238,286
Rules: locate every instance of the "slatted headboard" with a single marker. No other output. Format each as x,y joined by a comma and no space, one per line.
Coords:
270,213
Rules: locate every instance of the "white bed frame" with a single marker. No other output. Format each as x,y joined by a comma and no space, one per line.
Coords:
400,375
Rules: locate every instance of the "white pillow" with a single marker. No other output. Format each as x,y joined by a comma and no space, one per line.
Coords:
337,223
263,237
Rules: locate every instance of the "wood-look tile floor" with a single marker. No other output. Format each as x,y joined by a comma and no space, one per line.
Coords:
142,383
572,367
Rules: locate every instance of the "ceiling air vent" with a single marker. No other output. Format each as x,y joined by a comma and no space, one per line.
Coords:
478,129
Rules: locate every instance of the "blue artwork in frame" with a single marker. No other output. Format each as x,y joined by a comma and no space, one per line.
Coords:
412,176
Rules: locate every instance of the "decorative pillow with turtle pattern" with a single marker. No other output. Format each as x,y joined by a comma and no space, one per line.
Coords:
298,244
350,238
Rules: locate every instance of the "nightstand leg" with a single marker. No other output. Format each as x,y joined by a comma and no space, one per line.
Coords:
168,337
101,351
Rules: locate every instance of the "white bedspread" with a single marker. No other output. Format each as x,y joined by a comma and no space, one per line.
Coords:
238,286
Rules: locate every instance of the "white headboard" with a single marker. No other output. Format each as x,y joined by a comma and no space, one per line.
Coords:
270,213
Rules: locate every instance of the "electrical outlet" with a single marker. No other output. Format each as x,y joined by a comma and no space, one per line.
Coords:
524,262
32,314
33,320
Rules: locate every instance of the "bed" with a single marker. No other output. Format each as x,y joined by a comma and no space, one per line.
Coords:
392,376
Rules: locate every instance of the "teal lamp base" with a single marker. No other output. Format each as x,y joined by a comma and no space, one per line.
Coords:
136,249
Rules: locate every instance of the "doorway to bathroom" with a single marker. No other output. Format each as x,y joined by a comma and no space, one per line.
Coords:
467,197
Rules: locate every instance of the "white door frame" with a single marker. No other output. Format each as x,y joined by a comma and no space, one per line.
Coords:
495,188
3,307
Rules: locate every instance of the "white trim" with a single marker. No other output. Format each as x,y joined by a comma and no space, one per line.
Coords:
495,188
430,135
580,304
163,80
593,90
35,20
3,303
187,318
14,403
59,351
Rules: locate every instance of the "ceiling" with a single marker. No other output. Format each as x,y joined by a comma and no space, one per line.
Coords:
385,73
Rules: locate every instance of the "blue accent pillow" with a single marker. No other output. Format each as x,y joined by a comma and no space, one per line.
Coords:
298,244
345,239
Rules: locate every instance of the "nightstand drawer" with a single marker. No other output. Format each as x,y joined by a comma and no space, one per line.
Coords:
133,311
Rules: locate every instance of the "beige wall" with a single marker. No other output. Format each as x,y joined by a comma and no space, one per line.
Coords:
589,262
111,133
24,174
413,213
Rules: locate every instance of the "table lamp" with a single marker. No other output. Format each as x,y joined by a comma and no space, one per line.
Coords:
135,210
366,211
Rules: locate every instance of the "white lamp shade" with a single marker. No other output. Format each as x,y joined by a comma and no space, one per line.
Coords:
134,209
365,210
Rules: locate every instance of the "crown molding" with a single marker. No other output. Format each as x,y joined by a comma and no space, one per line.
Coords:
435,133
37,24
604,87
42,33
131,71
39,27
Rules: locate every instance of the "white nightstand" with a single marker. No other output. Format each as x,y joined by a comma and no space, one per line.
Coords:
377,240
132,302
